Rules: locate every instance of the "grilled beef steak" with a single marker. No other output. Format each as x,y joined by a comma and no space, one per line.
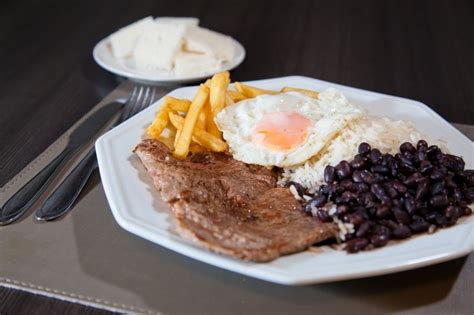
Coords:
230,207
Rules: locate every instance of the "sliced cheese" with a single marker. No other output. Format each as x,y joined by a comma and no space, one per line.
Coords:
157,46
123,41
191,63
205,41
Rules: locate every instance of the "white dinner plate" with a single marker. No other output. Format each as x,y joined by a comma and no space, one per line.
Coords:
137,207
125,67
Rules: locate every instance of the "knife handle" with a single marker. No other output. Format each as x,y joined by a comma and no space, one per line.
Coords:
22,200
63,197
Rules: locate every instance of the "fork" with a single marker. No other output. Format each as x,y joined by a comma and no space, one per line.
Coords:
65,194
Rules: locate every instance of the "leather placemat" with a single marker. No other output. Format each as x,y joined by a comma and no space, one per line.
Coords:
87,258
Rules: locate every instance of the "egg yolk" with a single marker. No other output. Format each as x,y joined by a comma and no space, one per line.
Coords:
281,131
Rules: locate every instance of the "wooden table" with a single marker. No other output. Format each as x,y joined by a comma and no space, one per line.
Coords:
415,49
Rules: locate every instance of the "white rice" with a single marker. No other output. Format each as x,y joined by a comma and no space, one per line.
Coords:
380,132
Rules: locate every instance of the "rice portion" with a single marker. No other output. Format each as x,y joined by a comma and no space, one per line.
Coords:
380,132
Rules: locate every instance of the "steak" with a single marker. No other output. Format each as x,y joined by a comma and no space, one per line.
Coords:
230,207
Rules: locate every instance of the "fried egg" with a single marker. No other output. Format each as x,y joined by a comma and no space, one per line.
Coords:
284,129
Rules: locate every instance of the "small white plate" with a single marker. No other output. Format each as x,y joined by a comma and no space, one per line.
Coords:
125,67
137,207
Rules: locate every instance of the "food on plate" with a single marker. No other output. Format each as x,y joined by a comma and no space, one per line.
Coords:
376,197
172,45
231,207
284,129
256,173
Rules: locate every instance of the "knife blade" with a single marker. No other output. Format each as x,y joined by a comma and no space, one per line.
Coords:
24,198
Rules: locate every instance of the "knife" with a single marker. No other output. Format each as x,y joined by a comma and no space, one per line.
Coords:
24,198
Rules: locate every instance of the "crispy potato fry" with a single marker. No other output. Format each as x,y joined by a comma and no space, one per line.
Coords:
236,95
208,83
184,140
219,83
306,92
194,147
178,104
200,136
169,142
211,126
250,91
228,100
201,122
161,119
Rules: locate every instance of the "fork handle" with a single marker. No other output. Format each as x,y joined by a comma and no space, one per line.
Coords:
63,197
22,200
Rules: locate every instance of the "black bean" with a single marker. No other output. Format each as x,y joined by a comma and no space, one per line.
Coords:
401,216
329,173
437,188
469,194
422,190
363,229
357,244
382,229
450,183
367,177
318,201
436,175
425,167
439,201
401,231
468,177
382,212
391,192
431,216
379,240
432,151
359,162
324,216
394,169
364,148
453,212
412,180
380,169
362,187
467,211
301,191
379,192
355,218
399,187
440,220
375,156
343,169
348,196
410,205
342,209
419,226
458,195
421,155
407,147
452,162
421,145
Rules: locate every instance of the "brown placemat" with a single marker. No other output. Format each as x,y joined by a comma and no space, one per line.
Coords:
87,258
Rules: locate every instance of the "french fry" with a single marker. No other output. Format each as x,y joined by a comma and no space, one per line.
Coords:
228,100
200,136
208,83
219,83
168,141
161,119
177,104
250,91
184,140
211,126
306,92
236,95
201,122
194,147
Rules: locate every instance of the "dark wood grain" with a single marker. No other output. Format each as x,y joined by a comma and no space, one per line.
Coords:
416,49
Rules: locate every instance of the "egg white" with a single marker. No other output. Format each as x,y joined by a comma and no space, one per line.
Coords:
329,114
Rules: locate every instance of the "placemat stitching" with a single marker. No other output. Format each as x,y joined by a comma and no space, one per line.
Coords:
78,296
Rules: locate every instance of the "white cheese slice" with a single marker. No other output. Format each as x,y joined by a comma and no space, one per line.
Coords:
191,63
202,40
123,41
157,46
188,21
